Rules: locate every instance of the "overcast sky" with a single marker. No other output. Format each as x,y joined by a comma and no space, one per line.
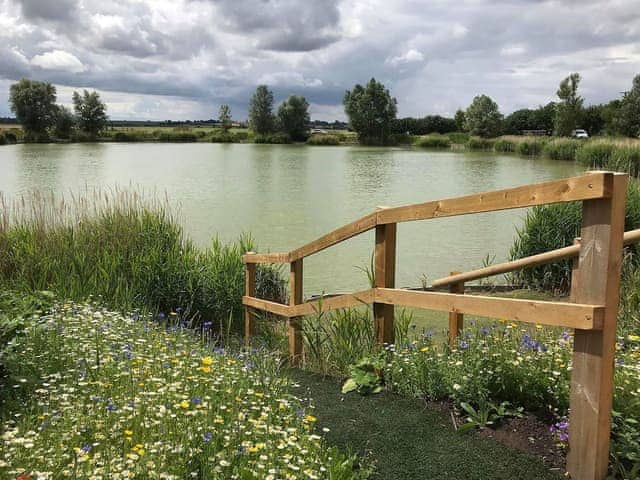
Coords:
180,59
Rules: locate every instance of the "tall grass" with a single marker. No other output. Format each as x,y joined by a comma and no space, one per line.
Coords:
554,226
334,340
561,149
505,145
329,140
479,143
434,140
125,249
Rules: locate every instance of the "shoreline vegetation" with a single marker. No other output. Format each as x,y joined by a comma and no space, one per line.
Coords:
613,153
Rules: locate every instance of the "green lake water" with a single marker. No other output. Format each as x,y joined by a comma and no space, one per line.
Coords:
288,195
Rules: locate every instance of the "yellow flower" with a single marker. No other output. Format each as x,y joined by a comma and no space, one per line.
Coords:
424,349
310,418
128,433
538,326
205,369
207,361
184,404
634,338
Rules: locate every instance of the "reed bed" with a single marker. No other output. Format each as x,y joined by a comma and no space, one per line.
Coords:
126,249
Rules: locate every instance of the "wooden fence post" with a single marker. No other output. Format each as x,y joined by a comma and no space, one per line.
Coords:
597,283
456,320
249,291
295,323
385,277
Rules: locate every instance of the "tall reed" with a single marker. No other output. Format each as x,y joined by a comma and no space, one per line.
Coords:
125,249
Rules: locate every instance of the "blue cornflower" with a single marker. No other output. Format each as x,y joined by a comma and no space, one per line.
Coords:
207,436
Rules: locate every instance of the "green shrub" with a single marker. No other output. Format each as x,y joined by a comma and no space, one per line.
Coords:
434,140
220,136
125,137
323,140
504,145
561,149
458,138
479,143
531,146
177,137
129,252
549,227
241,136
275,138
595,154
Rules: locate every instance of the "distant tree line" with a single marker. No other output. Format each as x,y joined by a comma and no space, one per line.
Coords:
372,115
34,105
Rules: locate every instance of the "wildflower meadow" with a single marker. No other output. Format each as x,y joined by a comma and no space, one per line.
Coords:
95,394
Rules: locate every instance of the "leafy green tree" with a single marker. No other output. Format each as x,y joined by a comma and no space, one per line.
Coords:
90,111
569,109
224,117
483,117
65,121
261,118
371,111
545,117
593,119
627,119
34,105
293,117
460,119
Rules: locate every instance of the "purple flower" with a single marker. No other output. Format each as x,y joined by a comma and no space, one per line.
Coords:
207,437
86,448
196,400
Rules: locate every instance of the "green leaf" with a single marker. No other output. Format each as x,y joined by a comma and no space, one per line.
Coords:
349,386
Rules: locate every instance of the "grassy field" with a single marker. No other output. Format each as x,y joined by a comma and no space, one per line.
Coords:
403,439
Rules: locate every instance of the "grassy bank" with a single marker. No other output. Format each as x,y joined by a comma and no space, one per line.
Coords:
128,251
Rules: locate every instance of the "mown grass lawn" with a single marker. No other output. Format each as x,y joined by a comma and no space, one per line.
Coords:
407,441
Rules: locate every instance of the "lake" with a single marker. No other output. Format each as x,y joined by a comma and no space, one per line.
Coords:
288,195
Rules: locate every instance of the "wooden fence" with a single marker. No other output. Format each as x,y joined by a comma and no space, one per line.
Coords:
591,311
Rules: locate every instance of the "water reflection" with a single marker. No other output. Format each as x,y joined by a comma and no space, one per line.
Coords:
287,195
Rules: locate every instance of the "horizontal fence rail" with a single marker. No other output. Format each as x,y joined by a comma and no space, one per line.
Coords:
591,310
572,251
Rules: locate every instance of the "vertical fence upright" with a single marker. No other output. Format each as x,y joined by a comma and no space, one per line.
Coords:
456,319
295,323
597,282
249,291
385,277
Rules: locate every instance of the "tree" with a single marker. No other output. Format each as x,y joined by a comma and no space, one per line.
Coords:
569,109
90,111
460,119
224,117
483,117
371,111
293,117
261,117
34,105
523,119
627,119
545,116
65,121
593,119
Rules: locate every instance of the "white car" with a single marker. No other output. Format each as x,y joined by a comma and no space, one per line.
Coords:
579,133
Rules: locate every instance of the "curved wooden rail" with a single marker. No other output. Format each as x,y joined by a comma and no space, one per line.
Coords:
590,186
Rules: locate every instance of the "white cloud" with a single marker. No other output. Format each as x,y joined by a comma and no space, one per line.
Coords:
58,60
410,56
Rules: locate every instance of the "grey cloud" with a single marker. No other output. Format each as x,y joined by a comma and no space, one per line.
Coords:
283,25
58,10
434,57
